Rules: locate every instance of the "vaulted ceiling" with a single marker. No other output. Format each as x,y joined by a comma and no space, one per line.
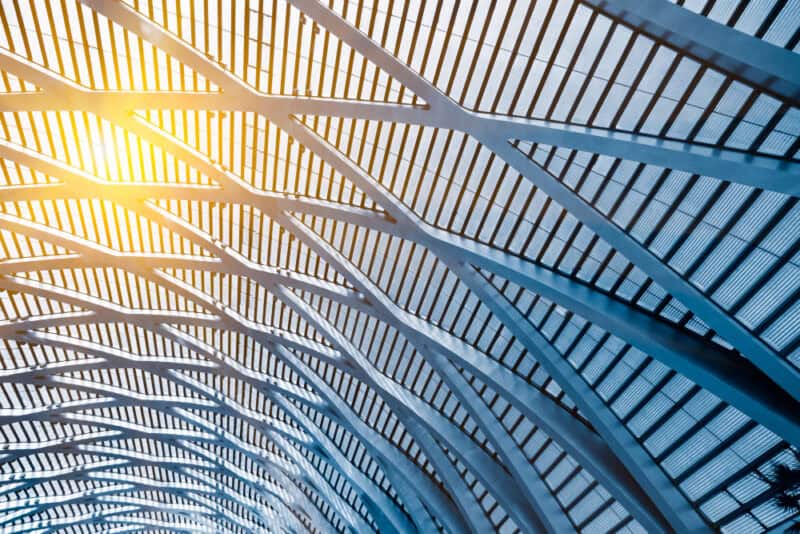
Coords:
289,265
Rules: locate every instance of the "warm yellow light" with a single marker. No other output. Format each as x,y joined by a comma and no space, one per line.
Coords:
102,151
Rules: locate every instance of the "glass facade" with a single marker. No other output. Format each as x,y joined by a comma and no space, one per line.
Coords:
289,265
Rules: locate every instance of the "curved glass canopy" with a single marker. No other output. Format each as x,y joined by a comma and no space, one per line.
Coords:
290,265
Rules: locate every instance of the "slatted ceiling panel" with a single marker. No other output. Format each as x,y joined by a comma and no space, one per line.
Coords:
552,463
773,21
258,152
105,151
24,305
15,174
415,33
116,287
97,223
514,356
689,209
560,241
126,337
257,358
91,50
653,402
354,450
13,84
326,509
385,424
488,505
782,334
344,488
315,177
247,231
18,246
668,99
611,271
451,172
466,323
277,49
414,372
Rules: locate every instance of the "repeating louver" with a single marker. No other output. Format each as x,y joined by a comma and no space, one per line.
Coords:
291,265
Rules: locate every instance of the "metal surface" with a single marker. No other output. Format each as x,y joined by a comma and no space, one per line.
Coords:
296,447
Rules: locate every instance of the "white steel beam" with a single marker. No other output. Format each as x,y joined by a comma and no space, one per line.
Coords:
770,363
497,141
214,434
76,299
700,361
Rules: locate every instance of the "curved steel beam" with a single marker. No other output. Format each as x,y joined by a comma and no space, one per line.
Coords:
401,74
49,525
120,458
490,481
130,431
381,506
412,482
403,473
113,311
757,170
510,449
116,358
687,518
104,256
291,392
704,362
762,64
512,386
528,410
120,483
421,421
53,524
724,373
547,514
726,326
729,328
237,411
730,378
539,494
172,406
438,244
693,358
221,250
178,465
121,397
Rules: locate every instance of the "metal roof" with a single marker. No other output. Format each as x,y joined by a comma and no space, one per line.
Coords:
289,265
